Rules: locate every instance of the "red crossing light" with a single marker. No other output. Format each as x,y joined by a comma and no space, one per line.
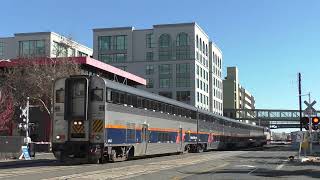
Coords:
315,120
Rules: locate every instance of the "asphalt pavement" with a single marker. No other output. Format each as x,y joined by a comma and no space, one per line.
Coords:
270,162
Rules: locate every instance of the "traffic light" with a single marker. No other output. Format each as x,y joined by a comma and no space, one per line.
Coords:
305,122
315,122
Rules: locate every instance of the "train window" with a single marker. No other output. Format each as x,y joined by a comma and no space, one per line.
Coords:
139,102
108,95
97,94
129,99
169,109
115,97
134,101
60,96
163,107
78,90
144,103
193,114
122,98
154,105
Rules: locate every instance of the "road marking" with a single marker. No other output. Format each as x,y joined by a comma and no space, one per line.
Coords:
280,166
249,166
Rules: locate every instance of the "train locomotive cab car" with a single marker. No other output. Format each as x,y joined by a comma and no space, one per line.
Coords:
96,119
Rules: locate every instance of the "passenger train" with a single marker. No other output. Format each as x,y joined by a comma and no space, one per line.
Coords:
97,119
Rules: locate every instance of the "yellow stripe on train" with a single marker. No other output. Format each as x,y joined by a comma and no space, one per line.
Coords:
97,126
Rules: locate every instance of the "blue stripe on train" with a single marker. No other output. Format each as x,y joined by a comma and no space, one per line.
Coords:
124,136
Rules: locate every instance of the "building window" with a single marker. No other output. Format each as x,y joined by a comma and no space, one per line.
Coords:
164,75
197,43
164,41
183,75
71,52
164,54
166,94
113,58
164,83
183,96
107,58
164,69
149,56
197,70
203,47
120,57
82,54
200,42
120,42
198,97
206,50
198,83
1,49
149,40
182,39
183,82
149,69
60,50
32,48
183,52
104,43
149,83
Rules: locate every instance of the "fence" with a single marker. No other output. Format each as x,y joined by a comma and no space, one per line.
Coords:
10,146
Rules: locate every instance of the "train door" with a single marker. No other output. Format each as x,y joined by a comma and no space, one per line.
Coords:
144,137
77,108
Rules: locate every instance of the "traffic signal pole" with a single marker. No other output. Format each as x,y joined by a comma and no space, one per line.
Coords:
300,105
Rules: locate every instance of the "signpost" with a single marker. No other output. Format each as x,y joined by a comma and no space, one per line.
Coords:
310,111
25,116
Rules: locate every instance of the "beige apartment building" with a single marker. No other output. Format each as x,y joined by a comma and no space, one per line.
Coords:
235,95
178,61
41,44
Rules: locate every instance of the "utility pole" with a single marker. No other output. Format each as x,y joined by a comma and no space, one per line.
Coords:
300,105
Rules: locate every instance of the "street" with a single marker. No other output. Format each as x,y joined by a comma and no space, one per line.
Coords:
270,162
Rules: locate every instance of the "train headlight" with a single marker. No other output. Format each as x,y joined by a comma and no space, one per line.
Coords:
58,137
75,123
80,122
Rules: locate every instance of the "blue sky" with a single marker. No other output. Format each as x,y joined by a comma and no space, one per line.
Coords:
269,40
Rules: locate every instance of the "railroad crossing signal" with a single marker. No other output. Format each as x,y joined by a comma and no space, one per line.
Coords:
315,122
305,122
310,110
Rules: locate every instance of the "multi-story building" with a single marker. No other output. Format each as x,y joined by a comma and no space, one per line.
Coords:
178,60
40,44
236,96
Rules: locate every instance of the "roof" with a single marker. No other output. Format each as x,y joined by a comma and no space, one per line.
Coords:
89,63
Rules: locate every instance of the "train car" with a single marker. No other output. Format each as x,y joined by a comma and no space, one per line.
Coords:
97,119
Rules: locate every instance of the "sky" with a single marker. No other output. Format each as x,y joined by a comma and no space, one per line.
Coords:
270,41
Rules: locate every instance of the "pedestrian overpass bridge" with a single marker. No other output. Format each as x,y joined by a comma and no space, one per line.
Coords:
272,118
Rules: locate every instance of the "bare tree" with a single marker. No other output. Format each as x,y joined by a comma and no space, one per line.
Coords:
34,79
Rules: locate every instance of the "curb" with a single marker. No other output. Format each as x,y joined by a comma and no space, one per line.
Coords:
8,164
